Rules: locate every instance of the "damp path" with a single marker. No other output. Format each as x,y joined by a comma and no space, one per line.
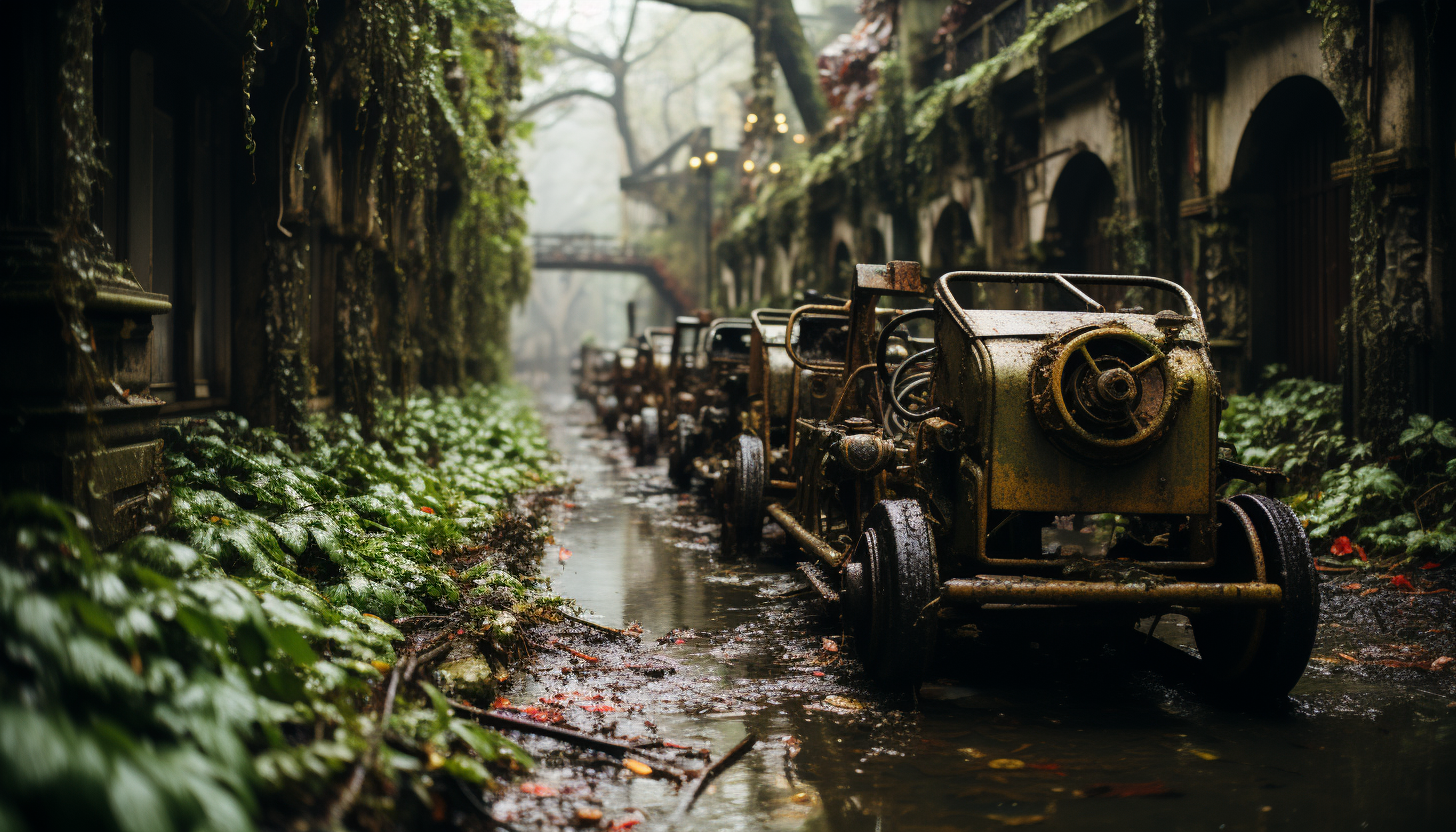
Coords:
1057,729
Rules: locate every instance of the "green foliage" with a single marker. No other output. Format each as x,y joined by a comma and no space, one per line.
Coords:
1398,506
205,681
899,149
369,521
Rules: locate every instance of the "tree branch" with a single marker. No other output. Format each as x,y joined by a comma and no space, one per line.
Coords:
579,92
741,10
631,24
586,54
661,39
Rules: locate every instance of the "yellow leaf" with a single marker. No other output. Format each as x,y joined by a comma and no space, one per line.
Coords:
1007,763
1202,754
1017,820
637,767
380,666
844,702
435,761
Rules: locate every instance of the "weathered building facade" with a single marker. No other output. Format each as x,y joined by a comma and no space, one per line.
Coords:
258,207
1293,167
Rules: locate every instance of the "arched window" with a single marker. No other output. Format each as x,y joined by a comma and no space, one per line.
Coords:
843,268
953,242
874,246
1299,227
1083,200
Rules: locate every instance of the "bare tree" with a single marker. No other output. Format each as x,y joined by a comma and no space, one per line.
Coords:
616,66
791,49
785,37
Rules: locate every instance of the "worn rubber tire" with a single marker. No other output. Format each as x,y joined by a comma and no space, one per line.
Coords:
1260,654
680,452
903,584
607,410
742,530
647,438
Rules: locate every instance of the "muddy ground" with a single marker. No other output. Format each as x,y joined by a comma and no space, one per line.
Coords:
1050,726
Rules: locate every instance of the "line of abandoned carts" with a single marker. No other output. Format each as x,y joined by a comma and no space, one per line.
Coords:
949,461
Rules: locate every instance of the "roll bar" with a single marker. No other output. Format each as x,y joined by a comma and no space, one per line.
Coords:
827,310
1069,282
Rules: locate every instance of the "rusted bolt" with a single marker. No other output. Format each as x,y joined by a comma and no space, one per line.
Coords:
1116,386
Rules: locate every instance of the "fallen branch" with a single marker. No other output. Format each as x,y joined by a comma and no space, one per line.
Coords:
556,645
351,791
602,627
710,774
500,720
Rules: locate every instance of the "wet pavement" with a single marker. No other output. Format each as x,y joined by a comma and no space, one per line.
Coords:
1060,728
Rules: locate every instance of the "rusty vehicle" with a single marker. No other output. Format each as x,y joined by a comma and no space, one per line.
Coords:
1037,460
709,398
683,390
593,370
615,386
643,392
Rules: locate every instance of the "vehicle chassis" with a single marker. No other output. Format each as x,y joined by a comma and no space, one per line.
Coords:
930,495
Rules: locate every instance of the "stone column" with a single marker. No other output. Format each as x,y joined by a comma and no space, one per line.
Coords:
76,418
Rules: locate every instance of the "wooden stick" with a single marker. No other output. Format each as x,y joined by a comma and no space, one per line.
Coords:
710,774
351,791
500,720
602,627
557,645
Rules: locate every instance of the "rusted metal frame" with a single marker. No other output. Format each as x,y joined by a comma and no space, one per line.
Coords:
834,412
812,543
982,555
826,310
1183,593
943,293
817,580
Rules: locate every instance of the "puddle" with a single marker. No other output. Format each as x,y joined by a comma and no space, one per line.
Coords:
1055,730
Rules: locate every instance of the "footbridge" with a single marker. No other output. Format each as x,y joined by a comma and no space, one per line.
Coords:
595,252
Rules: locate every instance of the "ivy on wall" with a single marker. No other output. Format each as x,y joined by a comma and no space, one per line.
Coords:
440,243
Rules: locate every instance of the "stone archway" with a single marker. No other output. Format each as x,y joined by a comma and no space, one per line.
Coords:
952,241
873,245
1298,220
1083,201
842,268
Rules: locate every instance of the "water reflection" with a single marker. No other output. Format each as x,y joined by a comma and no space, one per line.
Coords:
1023,728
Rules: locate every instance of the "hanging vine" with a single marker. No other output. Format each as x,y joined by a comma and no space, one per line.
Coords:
1150,19
1374,345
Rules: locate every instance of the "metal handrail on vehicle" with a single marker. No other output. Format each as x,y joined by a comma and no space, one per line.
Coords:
1065,281
825,310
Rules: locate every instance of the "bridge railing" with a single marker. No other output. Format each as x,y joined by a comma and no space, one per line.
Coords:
586,248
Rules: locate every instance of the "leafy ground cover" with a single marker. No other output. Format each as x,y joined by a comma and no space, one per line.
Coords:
262,660
1363,506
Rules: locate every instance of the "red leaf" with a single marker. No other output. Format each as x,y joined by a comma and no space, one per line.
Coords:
1402,582
501,702
625,823
1341,547
562,554
539,789
427,509
818,673
1360,550
679,641
1153,788
597,709
1431,565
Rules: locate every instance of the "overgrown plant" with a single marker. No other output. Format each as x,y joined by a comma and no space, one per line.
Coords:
1359,506
224,672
